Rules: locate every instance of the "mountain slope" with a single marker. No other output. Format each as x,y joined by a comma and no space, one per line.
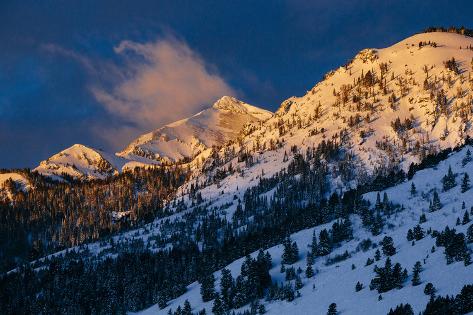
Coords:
79,161
10,182
189,137
335,282
384,110
358,104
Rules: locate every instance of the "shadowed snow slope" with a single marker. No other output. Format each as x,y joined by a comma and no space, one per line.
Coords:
335,282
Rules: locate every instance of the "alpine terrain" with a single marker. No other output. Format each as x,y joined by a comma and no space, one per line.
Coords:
354,198
187,140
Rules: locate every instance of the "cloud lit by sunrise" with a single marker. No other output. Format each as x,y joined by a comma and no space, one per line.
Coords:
161,82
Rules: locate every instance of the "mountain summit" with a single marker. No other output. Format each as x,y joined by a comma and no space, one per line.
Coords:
190,137
80,161
180,141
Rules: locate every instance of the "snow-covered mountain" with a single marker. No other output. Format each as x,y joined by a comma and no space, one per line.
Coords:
183,140
370,119
386,109
80,161
190,137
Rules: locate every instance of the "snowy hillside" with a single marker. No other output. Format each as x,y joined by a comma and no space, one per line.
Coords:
19,182
80,161
187,138
335,282
385,109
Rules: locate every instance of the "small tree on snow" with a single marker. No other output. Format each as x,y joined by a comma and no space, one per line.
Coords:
388,246
332,309
291,252
429,289
467,158
415,273
309,272
469,234
465,183
448,180
358,286
435,204
466,218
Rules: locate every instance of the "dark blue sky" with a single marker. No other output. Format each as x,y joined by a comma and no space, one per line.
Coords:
56,55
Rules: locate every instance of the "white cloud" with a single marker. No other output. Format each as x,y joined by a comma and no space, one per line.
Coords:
159,83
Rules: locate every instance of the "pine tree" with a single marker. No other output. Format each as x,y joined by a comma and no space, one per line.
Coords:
226,286
418,233
290,274
240,295
377,225
448,180
332,309
162,301
388,246
413,189
310,258
388,277
295,252
402,309
313,245
386,203
217,307
429,289
467,258
465,186
287,251
358,286
187,310
377,255
309,272
378,204
422,218
261,309
207,288
466,218
410,235
467,158
435,204
415,273
469,234
298,283
291,252
325,246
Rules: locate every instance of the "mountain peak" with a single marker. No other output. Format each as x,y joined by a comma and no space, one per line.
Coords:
192,136
79,161
227,103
